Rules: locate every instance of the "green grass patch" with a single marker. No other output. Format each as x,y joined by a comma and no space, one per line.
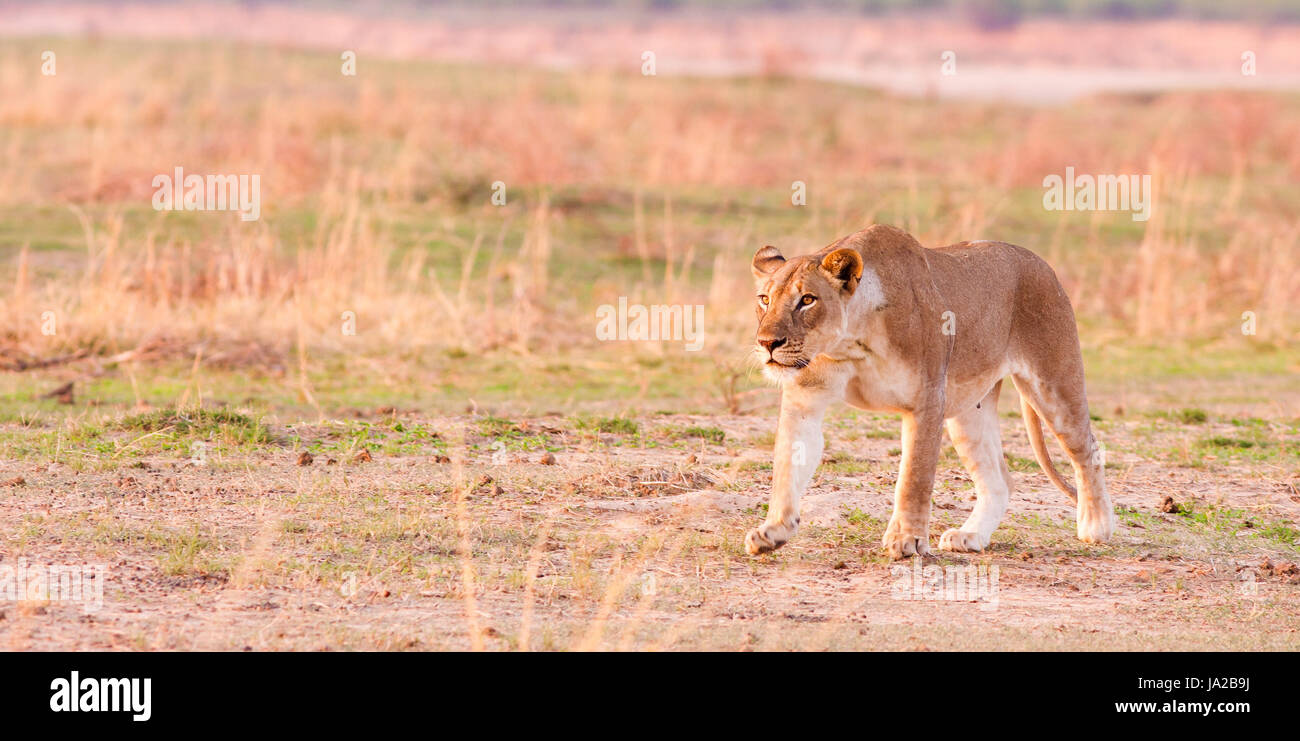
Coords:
203,422
610,425
1021,463
712,434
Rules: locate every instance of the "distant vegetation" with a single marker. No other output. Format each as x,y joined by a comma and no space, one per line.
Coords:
988,13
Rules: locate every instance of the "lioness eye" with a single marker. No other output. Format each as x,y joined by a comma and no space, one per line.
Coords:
762,300
807,300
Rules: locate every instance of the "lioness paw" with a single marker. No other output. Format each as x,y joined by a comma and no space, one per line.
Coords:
961,541
900,544
767,538
1096,527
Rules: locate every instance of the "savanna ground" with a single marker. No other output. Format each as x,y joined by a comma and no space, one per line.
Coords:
472,469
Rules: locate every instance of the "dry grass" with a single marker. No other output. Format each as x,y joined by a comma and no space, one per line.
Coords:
377,190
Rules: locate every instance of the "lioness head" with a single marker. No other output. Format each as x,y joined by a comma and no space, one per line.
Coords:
801,304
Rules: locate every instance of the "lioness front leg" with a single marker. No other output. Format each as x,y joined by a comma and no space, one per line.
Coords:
798,450
908,532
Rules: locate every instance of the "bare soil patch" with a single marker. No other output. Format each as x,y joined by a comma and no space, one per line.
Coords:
634,541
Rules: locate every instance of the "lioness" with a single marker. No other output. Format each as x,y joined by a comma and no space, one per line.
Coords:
885,324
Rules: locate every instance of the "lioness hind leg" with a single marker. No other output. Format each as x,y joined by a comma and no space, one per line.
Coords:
1063,407
978,441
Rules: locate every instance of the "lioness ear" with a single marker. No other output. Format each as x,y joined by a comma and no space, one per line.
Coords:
767,261
845,266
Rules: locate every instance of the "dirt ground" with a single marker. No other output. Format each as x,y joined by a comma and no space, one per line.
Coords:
550,532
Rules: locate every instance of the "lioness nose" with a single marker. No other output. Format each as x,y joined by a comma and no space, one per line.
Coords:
771,344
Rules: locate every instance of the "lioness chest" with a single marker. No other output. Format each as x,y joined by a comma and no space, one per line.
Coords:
886,380
882,383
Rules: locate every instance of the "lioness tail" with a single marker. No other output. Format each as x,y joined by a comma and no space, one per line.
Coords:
1034,426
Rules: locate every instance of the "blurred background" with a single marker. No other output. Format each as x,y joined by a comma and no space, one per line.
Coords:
644,150
380,415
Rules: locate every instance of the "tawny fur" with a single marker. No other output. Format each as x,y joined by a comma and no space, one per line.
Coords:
878,321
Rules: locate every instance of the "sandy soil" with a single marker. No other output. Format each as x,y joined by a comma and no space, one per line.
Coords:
633,542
